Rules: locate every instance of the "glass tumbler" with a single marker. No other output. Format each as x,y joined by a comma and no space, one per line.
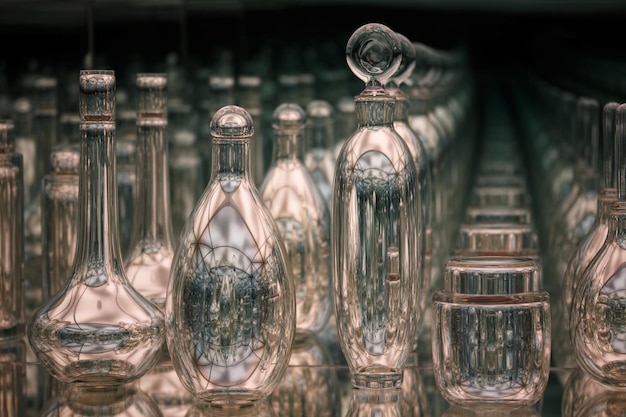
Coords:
491,332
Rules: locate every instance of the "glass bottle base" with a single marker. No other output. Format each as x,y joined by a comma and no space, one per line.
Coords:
99,372
377,378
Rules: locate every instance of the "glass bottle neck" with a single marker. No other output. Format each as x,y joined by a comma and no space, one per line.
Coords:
401,112
375,111
230,158
152,217
98,242
288,145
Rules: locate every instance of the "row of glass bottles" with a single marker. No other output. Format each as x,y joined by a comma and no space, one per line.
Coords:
96,140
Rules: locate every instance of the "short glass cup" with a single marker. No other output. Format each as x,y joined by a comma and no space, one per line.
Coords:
491,332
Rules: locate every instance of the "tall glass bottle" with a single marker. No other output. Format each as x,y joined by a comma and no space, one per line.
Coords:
596,315
60,204
125,162
97,330
303,219
423,183
230,309
26,144
152,249
375,240
320,138
11,235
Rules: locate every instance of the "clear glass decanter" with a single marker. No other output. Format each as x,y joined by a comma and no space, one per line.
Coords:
26,144
248,93
302,217
319,141
126,172
596,314
375,233
97,330
13,364
149,259
230,310
11,235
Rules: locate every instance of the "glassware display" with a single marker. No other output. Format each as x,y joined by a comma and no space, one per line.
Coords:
26,144
126,172
45,130
13,378
152,246
60,205
309,387
461,411
117,401
595,325
162,384
97,330
491,332
186,169
248,94
375,402
11,234
375,234
584,396
230,309
302,217
319,141
260,408
423,184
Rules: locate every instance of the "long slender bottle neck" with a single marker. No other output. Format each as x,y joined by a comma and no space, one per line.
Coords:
98,242
288,145
152,217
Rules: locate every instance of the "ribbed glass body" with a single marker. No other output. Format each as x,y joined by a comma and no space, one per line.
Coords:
375,240
303,219
230,310
97,330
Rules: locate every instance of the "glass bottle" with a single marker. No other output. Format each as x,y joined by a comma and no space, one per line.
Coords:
260,408
230,309
11,234
590,245
345,123
13,397
319,139
376,402
302,217
152,249
45,129
249,97
491,332
26,144
596,324
97,330
60,206
125,162
186,170
423,184
375,234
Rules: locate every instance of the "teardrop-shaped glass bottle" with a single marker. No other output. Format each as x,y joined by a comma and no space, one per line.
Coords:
596,325
230,310
151,250
97,330
303,219
375,236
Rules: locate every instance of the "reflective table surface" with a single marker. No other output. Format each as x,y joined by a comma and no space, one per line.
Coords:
316,383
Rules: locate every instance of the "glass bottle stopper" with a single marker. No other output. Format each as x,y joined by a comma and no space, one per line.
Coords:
407,63
231,122
151,95
7,137
97,91
374,54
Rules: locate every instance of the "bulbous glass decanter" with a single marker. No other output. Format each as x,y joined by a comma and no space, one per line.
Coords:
375,233
230,309
596,314
97,330
11,235
152,249
319,139
302,217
